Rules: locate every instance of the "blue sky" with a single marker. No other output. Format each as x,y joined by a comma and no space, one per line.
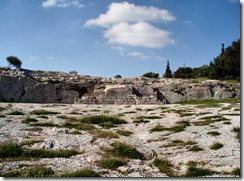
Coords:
109,37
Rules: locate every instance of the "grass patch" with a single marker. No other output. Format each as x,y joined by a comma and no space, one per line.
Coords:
105,134
216,146
178,128
35,153
16,112
99,119
236,171
43,117
28,120
95,110
227,122
179,143
111,163
63,117
149,117
196,172
107,125
129,112
75,132
40,112
46,124
164,166
10,149
37,171
8,120
210,119
238,134
210,101
140,121
106,111
73,112
33,129
213,133
124,133
30,142
2,116
2,109
86,172
160,139
124,151
139,109
77,125
195,148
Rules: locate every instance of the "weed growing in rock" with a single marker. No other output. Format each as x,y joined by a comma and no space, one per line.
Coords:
106,111
95,110
28,120
210,119
123,150
196,172
37,171
178,128
111,163
216,146
15,113
43,117
46,124
179,143
75,132
227,122
63,117
86,172
30,142
40,112
236,171
124,133
238,135
195,148
164,166
10,149
102,119
213,133
105,134
35,153
139,109
73,112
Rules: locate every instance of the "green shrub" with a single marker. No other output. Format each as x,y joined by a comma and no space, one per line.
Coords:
213,133
2,116
15,113
236,171
111,163
82,173
46,124
37,171
99,119
105,134
107,125
43,117
196,172
216,146
40,112
124,133
35,153
164,166
125,151
28,120
195,148
10,149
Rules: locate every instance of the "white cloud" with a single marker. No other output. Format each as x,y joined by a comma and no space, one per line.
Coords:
138,55
187,22
160,58
34,57
119,48
61,3
120,12
139,34
51,58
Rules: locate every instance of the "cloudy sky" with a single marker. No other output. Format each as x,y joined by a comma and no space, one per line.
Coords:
105,38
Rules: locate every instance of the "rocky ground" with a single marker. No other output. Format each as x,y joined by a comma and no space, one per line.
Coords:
201,127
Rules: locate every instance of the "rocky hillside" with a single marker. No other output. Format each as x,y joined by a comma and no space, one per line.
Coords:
120,141
58,87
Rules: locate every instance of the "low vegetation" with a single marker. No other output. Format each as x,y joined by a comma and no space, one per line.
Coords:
40,112
16,112
124,151
124,133
216,146
111,163
164,166
179,143
178,128
213,133
238,134
28,120
193,171
195,149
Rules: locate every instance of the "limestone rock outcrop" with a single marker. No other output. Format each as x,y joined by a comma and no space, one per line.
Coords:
58,87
